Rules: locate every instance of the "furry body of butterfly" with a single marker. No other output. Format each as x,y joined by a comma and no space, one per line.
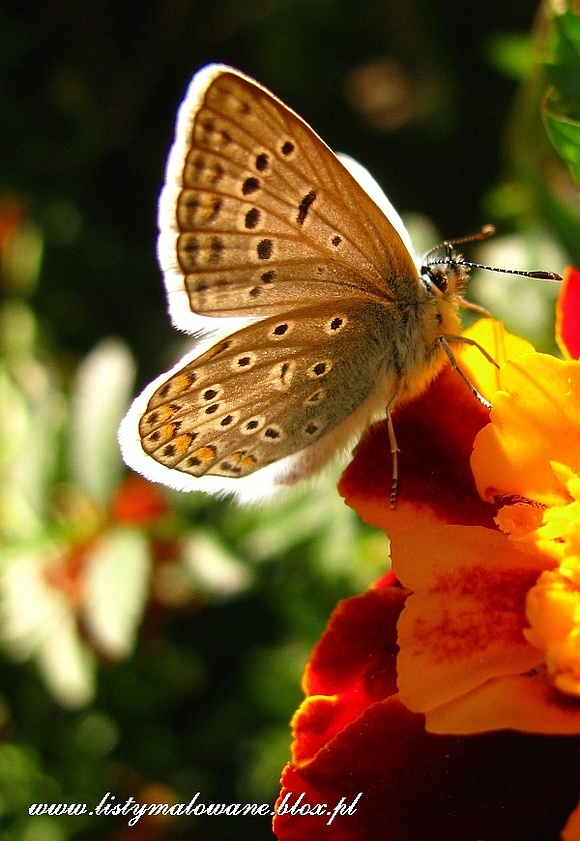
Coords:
296,255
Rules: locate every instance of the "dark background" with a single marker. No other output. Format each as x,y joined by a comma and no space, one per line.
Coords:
90,91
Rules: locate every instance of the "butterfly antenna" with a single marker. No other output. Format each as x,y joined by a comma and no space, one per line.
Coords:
486,232
539,274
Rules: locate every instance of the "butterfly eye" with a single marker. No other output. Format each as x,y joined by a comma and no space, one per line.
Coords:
437,275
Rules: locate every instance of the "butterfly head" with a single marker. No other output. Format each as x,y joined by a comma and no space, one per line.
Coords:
444,272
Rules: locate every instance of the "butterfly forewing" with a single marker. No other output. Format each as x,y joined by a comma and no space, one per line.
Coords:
261,394
258,214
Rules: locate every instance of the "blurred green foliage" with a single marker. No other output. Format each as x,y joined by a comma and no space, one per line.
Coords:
561,106
153,642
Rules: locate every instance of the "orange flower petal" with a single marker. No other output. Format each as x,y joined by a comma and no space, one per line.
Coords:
535,420
463,623
516,702
520,520
571,831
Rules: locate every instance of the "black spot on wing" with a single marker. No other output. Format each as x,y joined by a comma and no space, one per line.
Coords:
304,206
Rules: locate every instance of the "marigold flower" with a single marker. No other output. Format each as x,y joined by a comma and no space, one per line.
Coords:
353,736
477,627
486,537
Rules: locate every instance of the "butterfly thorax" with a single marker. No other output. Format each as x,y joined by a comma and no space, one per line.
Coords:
418,355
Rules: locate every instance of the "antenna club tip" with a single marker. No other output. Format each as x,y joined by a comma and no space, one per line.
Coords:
546,275
488,230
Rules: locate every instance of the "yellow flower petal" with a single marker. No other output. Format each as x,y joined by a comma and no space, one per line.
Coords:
553,610
500,345
535,420
559,533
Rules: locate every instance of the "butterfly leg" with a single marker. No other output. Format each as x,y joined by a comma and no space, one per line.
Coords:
464,340
468,305
445,340
395,458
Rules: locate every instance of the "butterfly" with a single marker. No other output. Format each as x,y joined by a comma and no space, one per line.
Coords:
299,276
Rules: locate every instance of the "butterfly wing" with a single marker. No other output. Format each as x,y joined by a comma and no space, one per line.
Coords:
260,222
257,215
263,406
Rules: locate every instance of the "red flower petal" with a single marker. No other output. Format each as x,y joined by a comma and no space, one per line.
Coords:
413,785
137,502
568,314
352,667
416,786
435,435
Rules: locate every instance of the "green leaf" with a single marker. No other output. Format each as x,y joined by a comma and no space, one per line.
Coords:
510,54
564,132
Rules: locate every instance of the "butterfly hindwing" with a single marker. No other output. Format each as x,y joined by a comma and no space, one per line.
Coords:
265,392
